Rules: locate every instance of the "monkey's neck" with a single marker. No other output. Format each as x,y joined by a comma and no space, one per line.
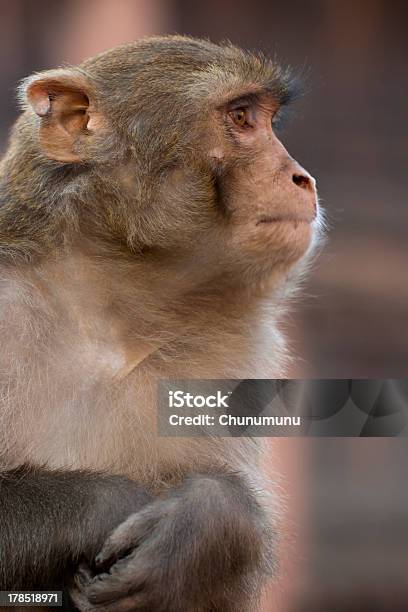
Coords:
131,317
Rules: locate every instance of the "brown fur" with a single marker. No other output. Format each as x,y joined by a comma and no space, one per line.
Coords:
131,252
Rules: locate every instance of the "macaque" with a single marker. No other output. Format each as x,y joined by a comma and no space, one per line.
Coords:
152,226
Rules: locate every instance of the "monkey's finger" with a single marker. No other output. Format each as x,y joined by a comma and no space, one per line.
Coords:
83,574
125,538
80,600
129,575
131,603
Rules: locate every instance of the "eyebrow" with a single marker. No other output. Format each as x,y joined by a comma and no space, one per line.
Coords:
281,91
246,99
281,98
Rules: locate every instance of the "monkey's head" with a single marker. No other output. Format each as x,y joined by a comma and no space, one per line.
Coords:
171,151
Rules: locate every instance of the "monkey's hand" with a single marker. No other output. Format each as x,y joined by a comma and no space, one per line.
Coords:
194,549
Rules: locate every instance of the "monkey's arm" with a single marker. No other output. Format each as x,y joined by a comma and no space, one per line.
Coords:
199,548
49,520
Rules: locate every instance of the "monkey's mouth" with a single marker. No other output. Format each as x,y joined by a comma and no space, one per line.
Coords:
266,219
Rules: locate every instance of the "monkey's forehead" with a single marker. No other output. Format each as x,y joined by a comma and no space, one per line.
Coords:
196,68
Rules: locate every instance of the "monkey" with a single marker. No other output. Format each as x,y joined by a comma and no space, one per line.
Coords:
152,226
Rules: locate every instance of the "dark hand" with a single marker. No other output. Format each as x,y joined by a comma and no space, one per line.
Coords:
138,565
194,550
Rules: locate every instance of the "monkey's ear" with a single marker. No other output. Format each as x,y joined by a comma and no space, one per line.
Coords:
63,99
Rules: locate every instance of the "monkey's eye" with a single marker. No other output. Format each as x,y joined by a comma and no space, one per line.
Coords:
239,116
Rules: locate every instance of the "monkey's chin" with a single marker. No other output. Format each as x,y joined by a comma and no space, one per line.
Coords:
287,241
282,241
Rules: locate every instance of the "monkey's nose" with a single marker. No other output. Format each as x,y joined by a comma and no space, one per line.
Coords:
304,181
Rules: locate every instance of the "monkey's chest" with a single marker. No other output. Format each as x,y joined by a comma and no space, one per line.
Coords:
101,425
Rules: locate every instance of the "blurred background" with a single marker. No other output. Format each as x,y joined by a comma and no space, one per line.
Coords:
347,528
